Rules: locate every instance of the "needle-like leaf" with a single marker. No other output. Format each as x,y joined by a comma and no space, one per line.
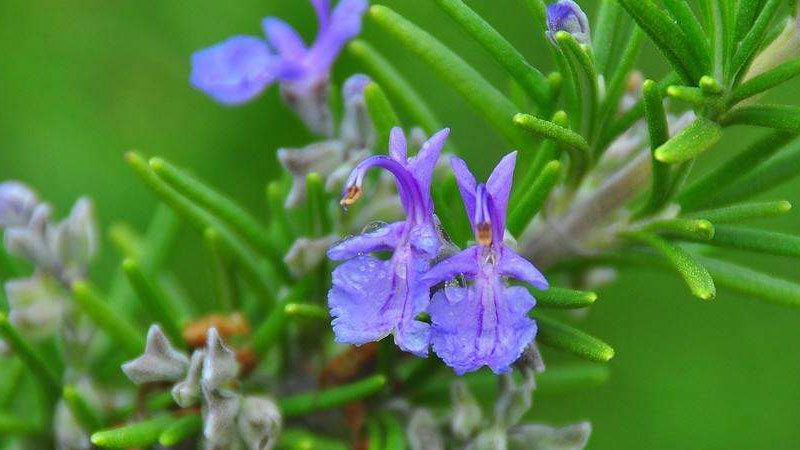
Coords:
752,283
562,336
765,81
300,404
381,112
605,30
181,429
35,361
395,435
139,434
779,117
86,415
756,240
301,439
754,39
319,217
561,298
743,211
575,145
658,131
161,308
306,310
583,66
485,98
13,425
683,15
698,229
693,140
129,338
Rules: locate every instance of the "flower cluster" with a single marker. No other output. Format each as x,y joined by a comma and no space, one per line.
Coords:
483,322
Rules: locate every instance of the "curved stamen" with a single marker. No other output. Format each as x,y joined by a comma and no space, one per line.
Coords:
407,187
483,220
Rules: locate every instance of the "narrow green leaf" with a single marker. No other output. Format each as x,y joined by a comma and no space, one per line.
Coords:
698,229
743,211
300,439
582,63
683,15
752,239
279,223
140,434
548,151
267,334
779,117
746,14
374,435
37,364
301,404
658,130
669,38
221,207
159,306
119,328
561,298
13,425
710,86
181,429
782,167
710,185
319,216
254,270
695,275
84,413
487,101
10,378
765,81
306,310
605,30
572,142
398,88
692,95
127,241
528,77
752,283
693,140
152,403
395,435
562,336
381,112
226,293
754,39
534,198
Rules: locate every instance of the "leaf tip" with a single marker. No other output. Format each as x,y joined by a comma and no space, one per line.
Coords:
784,206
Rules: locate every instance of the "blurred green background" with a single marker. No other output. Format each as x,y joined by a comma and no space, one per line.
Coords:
82,81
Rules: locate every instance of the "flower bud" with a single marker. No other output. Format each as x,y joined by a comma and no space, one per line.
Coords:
17,202
219,365
306,254
566,15
491,439
160,361
187,392
467,413
357,130
423,431
74,240
320,157
219,417
309,100
514,400
36,305
536,436
30,242
259,423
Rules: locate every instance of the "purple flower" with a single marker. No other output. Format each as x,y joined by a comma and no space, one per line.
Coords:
566,15
241,67
484,322
371,297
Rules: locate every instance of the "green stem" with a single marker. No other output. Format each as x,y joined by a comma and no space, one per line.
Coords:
302,404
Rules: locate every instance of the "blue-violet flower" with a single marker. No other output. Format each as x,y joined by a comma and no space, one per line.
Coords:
566,15
484,322
372,298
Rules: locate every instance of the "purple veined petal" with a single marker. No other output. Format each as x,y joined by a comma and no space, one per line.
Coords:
235,70
513,265
344,25
424,239
466,185
489,326
284,39
499,187
464,263
382,239
398,147
323,10
424,162
414,202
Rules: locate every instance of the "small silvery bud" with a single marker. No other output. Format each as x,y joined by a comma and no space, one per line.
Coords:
219,416
320,157
467,414
259,423
543,437
30,242
306,254
423,432
491,439
74,240
187,392
160,361
309,100
532,358
566,15
36,304
515,399
219,365
357,130
17,202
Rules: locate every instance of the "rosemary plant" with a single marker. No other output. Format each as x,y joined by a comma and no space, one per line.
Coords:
372,310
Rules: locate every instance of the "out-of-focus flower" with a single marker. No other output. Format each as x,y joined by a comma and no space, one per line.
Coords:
544,437
423,431
566,15
259,423
17,202
485,322
467,413
241,67
372,298
36,304
160,361
306,254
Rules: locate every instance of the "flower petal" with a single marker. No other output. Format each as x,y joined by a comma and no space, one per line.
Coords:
398,148
345,24
323,10
424,239
499,187
423,163
464,262
489,326
235,70
466,185
383,238
515,266
284,39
